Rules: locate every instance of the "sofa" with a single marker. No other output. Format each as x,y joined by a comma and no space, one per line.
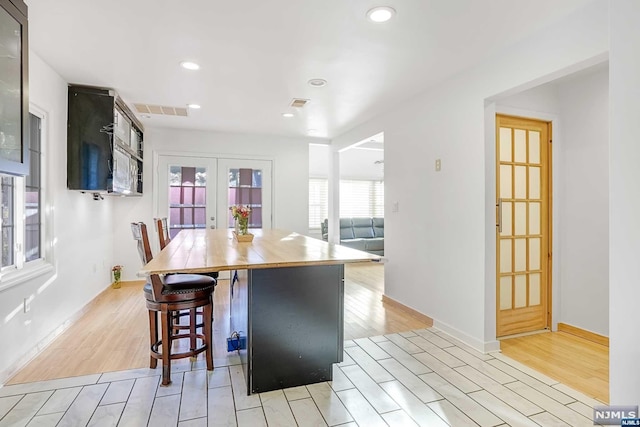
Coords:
365,234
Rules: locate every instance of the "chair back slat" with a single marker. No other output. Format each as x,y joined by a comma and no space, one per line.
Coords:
139,231
163,231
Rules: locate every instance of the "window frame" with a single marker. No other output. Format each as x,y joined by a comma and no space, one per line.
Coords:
22,271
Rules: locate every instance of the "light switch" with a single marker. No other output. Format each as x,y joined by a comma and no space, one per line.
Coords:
438,165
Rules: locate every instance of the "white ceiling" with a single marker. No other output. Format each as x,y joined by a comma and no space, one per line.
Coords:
258,55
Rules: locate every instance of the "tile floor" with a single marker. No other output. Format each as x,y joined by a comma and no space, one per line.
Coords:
423,377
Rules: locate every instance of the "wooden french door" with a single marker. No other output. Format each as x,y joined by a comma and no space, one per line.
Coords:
523,226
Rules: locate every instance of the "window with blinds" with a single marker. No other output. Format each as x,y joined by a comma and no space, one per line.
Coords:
318,202
361,199
358,199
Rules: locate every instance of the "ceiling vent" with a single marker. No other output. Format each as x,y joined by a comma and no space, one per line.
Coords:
162,110
299,103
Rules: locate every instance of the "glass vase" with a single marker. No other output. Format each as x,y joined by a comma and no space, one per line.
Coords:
243,226
116,280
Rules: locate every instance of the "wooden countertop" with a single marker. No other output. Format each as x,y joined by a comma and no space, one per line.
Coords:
206,250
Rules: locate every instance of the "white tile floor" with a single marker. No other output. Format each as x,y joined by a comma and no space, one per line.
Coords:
421,377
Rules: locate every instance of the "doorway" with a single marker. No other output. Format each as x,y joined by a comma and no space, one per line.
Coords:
196,192
523,225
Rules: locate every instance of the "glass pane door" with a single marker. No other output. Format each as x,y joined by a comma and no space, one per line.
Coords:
187,198
186,193
522,226
245,183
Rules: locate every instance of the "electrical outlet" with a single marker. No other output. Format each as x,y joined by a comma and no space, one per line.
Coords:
395,207
438,165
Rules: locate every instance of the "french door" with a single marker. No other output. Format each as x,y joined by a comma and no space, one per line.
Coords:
196,192
247,183
523,230
187,192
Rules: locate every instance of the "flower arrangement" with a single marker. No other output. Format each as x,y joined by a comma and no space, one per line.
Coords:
117,272
241,214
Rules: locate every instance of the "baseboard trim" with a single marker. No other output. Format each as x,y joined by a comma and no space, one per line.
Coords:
583,333
481,346
408,310
26,358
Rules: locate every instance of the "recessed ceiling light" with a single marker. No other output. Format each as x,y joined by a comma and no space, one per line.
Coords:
317,82
287,115
311,131
381,14
194,106
189,65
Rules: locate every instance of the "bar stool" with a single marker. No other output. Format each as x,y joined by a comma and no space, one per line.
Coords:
164,238
166,297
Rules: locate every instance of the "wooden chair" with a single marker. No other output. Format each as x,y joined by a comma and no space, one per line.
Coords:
163,231
167,296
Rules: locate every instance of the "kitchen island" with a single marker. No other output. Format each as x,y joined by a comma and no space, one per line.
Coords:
287,299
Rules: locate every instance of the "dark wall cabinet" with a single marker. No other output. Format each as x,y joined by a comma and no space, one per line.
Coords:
104,143
14,75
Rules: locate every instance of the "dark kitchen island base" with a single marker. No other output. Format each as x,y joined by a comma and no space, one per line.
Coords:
292,318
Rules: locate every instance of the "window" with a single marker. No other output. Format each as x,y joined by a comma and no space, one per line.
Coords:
361,199
358,198
21,208
33,194
318,202
8,221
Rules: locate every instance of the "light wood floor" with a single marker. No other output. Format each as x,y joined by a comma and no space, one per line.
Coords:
113,335
574,361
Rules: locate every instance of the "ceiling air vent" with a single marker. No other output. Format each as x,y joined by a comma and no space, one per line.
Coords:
162,110
299,103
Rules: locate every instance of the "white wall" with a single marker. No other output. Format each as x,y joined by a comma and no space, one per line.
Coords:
440,269
81,229
624,211
290,180
584,203
355,163
319,161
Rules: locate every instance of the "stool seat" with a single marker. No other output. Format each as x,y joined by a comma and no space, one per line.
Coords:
176,289
182,281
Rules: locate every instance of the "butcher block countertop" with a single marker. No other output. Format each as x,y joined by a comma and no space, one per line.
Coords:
208,250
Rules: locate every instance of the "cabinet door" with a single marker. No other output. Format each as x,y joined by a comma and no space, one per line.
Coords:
122,128
14,105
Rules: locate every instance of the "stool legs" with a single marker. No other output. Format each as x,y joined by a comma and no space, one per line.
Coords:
153,335
207,321
192,327
170,331
165,319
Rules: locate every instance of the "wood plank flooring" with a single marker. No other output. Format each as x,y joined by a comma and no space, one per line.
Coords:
421,377
113,335
572,360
